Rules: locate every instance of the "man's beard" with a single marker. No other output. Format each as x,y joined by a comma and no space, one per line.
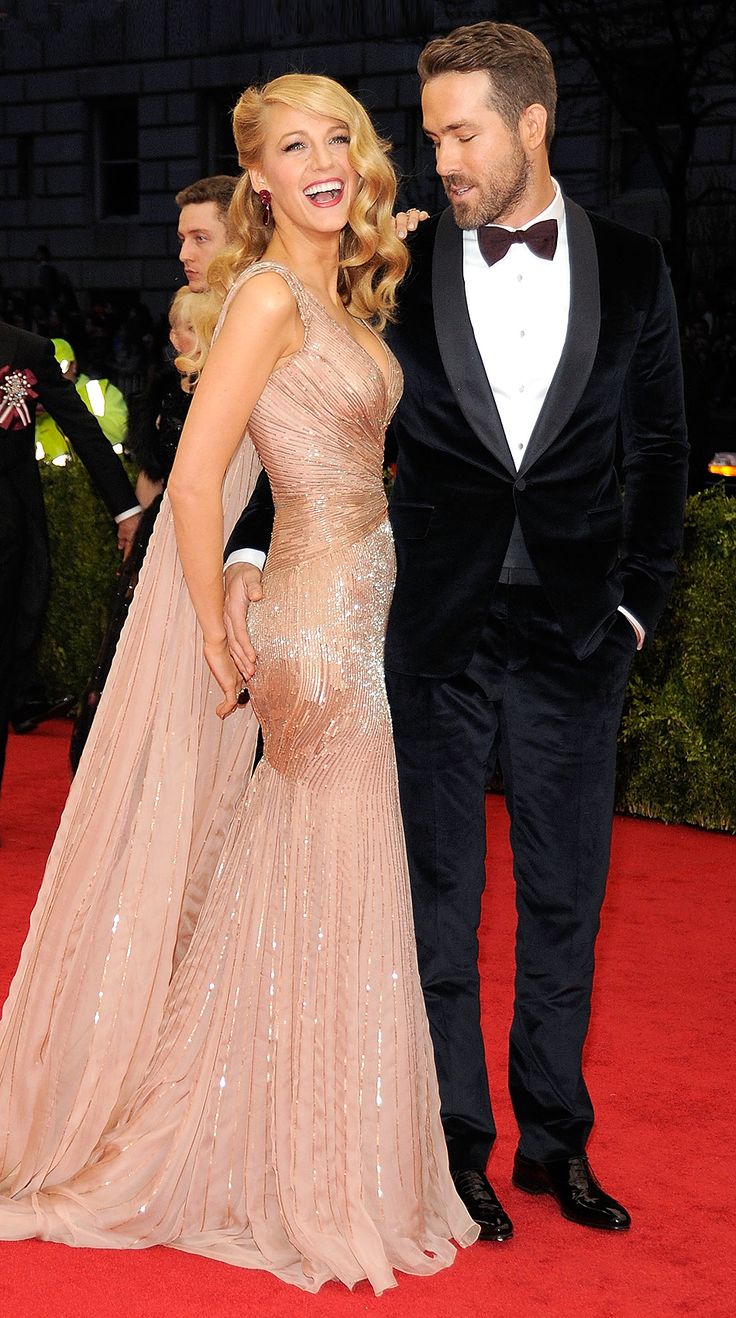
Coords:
496,197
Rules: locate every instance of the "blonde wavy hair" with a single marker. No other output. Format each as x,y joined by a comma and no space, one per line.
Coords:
198,314
373,261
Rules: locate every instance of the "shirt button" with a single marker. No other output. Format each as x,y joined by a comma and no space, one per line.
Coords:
519,278
521,388
522,333
521,448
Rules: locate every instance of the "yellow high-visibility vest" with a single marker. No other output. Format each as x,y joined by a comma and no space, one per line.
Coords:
104,400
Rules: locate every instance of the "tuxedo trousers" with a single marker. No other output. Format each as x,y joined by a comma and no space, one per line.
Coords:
552,721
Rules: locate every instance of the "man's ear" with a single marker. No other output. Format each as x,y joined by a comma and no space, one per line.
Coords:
533,126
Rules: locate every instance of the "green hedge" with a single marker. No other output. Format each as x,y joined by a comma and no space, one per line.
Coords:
677,757
85,561
678,738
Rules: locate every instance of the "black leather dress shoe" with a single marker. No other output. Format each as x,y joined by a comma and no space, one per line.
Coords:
479,1198
571,1182
28,716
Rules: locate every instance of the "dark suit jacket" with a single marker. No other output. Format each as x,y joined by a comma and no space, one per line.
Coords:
457,491
19,474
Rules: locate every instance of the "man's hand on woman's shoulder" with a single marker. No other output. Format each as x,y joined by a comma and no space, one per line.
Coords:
407,221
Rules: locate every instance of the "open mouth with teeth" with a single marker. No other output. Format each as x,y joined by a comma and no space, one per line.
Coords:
327,193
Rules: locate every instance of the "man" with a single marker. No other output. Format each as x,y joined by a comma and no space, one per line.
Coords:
202,230
531,336
29,375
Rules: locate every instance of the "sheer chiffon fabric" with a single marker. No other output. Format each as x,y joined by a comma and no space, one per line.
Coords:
216,1038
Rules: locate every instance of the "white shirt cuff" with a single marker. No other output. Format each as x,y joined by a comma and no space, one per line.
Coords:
254,556
131,512
640,632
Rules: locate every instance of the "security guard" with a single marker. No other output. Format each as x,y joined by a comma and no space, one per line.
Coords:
100,396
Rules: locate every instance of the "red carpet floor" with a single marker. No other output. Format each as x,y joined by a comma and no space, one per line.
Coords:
659,1065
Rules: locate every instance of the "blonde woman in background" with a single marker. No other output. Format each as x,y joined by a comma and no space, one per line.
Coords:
217,1038
159,422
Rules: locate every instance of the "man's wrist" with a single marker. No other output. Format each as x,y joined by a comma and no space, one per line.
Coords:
641,635
255,557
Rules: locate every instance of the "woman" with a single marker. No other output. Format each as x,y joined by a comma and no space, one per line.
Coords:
274,1103
156,425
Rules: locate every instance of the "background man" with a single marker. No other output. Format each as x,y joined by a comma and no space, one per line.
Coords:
202,228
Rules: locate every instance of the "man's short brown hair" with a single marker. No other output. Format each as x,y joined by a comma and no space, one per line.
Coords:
219,188
519,67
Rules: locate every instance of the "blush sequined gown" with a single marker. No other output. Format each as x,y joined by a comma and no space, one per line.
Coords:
273,1102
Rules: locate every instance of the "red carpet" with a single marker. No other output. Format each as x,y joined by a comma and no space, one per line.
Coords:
659,1065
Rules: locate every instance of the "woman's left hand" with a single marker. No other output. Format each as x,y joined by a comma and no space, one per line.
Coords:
225,673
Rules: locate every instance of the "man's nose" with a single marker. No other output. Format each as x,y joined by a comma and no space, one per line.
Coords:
446,159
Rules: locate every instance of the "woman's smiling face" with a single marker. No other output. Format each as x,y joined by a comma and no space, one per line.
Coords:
306,169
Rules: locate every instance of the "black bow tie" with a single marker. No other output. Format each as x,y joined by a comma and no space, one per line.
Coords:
541,238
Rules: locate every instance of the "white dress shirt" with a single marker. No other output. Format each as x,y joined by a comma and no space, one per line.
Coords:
519,309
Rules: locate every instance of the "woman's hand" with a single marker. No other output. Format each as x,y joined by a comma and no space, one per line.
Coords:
225,673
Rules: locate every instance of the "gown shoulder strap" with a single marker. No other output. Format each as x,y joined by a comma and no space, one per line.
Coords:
263,267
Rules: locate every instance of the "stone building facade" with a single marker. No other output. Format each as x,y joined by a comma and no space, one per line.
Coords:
108,107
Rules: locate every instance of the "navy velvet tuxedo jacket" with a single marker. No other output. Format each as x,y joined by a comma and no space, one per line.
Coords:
617,388
613,417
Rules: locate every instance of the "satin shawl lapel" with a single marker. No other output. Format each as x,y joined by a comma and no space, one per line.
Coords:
581,342
460,357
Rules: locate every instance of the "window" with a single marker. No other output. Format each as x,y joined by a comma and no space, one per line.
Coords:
115,155
219,154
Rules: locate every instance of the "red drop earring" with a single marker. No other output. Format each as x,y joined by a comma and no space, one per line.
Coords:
264,196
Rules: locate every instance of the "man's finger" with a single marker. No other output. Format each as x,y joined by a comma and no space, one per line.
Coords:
238,639
402,224
244,658
415,217
244,665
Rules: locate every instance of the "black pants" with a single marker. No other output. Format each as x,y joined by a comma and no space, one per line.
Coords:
553,721
12,545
